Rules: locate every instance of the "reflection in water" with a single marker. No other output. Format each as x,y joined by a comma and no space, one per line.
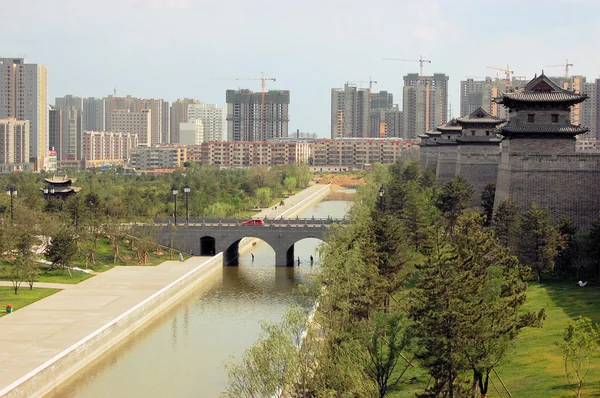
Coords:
181,353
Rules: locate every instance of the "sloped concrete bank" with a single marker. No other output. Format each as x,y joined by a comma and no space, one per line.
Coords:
49,375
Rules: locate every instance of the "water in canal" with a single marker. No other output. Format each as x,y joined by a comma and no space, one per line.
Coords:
182,352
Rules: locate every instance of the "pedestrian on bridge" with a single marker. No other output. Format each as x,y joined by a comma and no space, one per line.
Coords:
252,254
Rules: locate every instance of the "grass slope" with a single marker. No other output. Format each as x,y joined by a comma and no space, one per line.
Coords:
534,368
23,298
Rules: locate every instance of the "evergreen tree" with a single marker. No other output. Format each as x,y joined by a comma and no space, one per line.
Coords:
414,216
539,240
428,178
487,202
592,243
506,223
62,249
454,199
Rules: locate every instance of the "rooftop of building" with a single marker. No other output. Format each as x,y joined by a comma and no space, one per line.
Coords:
60,178
450,127
541,89
480,116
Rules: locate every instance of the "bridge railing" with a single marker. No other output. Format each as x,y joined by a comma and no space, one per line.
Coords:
268,221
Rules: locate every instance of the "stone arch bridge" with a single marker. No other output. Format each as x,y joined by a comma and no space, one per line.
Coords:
208,237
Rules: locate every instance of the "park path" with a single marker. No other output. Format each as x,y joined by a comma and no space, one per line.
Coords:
34,335
42,285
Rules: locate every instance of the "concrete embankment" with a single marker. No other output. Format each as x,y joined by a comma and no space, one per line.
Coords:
49,341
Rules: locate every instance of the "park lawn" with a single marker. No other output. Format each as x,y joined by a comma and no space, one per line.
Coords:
534,368
23,298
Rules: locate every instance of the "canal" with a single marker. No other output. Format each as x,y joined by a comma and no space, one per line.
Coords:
182,352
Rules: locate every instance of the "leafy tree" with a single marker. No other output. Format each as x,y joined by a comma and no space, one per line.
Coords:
290,184
16,272
539,240
304,176
32,272
412,171
145,240
263,195
592,243
487,202
506,223
569,247
580,345
62,250
414,216
389,337
454,200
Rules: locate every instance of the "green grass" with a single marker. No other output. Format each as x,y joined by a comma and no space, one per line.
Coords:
534,368
23,298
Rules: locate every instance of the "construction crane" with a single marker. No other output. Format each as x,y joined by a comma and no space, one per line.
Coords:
421,61
566,65
370,81
507,72
263,80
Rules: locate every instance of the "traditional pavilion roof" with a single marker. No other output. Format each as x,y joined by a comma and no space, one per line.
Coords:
480,116
541,89
451,127
60,178
446,141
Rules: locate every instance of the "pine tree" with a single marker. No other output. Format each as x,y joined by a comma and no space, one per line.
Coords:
506,222
454,200
487,202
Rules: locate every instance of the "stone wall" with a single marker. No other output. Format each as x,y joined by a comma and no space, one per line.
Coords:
423,156
557,146
432,157
446,164
564,184
478,165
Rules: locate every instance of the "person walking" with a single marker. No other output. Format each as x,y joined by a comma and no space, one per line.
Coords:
252,254
311,259
180,256
298,261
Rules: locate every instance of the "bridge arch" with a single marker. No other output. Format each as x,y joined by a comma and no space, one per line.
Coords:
208,246
297,250
231,254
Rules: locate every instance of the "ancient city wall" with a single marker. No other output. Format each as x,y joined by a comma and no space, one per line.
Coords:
446,164
432,157
564,184
423,156
478,165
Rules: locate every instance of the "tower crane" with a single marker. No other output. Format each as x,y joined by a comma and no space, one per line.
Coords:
566,65
370,81
507,72
263,80
421,61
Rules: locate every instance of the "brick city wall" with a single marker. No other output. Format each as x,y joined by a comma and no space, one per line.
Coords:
478,165
432,157
446,164
564,184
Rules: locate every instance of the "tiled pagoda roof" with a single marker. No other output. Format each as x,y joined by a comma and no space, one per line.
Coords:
543,129
451,127
542,90
480,116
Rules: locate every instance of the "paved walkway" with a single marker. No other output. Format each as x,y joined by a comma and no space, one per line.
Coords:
33,335
40,284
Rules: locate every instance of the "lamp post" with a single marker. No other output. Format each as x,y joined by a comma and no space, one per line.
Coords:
175,192
381,192
186,190
12,192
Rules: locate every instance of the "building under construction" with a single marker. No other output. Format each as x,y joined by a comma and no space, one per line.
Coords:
252,118
424,103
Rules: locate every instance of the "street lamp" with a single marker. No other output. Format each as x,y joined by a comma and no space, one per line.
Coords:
175,192
11,191
381,192
186,190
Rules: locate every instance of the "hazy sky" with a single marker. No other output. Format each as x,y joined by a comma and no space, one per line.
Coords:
172,48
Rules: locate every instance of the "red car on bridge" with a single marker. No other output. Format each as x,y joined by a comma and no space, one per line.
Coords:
253,222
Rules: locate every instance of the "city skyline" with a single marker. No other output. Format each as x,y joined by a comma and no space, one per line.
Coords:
311,53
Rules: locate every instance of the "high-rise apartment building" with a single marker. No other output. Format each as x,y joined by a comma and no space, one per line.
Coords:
386,117
248,119
137,105
94,114
140,123
14,141
102,145
424,103
179,114
23,96
191,133
481,93
68,143
214,121
350,112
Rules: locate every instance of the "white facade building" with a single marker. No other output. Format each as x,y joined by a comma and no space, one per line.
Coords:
23,95
191,133
214,120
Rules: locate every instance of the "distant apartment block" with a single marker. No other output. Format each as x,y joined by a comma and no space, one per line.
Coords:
358,152
191,133
481,93
248,120
179,114
94,114
158,110
424,103
14,141
250,153
350,112
169,157
140,123
23,96
102,145
66,128
214,121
